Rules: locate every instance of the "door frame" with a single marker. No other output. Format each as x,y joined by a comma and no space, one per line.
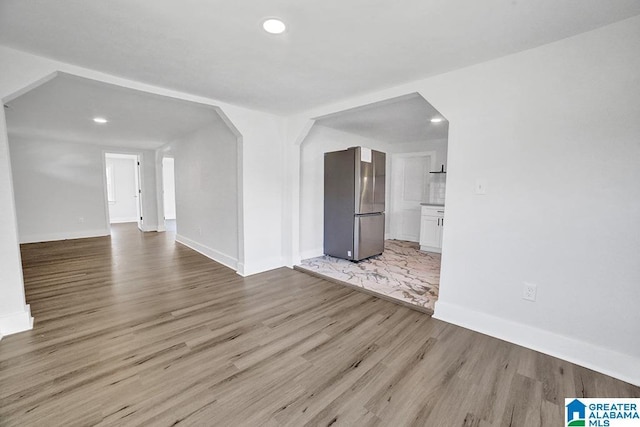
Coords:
138,177
162,184
394,200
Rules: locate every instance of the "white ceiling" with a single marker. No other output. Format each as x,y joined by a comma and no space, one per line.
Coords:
64,108
333,49
397,120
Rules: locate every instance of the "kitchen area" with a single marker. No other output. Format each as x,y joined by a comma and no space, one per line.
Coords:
432,213
401,260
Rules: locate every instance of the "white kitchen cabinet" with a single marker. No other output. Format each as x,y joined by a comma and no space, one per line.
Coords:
431,225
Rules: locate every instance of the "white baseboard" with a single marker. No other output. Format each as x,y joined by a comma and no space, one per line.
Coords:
211,253
50,237
122,220
260,267
16,322
240,269
431,249
296,260
609,362
313,253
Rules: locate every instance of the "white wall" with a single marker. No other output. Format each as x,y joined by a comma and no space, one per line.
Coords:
124,206
15,314
320,140
169,187
437,182
554,133
206,167
59,189
263,186
439,146
149,187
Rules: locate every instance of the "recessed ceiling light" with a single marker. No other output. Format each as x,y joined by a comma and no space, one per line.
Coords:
274,26
100,120
437,120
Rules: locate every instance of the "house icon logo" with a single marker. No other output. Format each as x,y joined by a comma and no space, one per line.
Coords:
576,413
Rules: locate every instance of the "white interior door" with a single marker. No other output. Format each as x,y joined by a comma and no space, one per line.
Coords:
122,187
169,188
139,194
410,175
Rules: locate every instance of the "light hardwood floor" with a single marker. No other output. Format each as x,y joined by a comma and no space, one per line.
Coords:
137,330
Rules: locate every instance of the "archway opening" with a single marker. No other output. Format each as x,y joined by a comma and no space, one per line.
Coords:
59,131
414,137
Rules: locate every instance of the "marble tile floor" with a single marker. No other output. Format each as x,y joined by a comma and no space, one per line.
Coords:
402,273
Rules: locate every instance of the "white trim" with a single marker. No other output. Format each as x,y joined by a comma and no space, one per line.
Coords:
211,253
163,184
121,154
295,260
50,237
394,197
16,322
136,155
264,265
138,176
312,253
104,189
240,269
122,220
601,359
29,87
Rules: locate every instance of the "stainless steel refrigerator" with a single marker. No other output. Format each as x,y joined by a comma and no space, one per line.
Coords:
354,191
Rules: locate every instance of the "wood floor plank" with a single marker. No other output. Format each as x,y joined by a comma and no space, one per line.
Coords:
134,329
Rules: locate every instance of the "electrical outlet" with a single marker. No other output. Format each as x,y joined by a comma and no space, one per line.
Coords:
81,220
529,292
480,187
